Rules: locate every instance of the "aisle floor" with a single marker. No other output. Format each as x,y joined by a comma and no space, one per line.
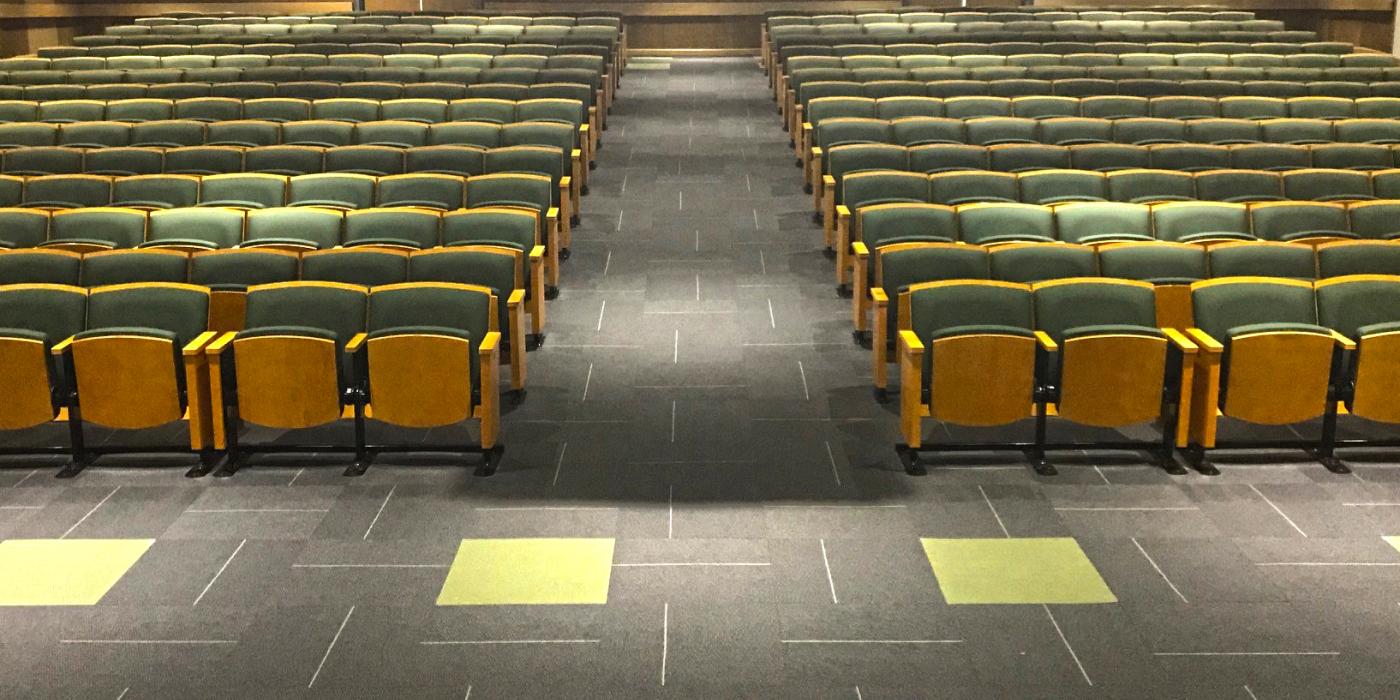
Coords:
700,498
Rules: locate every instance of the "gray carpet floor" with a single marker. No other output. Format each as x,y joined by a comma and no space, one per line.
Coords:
699,404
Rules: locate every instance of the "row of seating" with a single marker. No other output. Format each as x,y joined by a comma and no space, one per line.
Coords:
898,204
1081,87
329,48
257,190
1102,157
1266,351
550,20
834,132
778,60
1188,99
515,276
302,90
963,23
891,267
1085,60
1011,81
132,196
1011,144
1046,42
606,37
785,18
84,177
1171,172
192,230
302,228
276,28
864,189
284,109
377,161
335,126
328,74
1162,30
816,109
785,55
1055,72
416,355
354,60
1064,26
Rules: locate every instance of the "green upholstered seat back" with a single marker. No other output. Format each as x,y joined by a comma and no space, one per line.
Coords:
1353,304
363,266
341,190
1076,222
517,228
181,310
1220,307
1153,263
222,228
123,228
899,222
1244,260
937,309
241,268
127,266
1361,258
56,312
1036,263
1060,307
417,226
23,228
423,307
1006,221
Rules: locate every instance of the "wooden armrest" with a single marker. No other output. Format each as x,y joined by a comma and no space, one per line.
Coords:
879,296
843,211
576,153
1207,344
1046,342
828,181
565,181
860,250
1181,342
1345,342
816,152
806,126
196,346
910,343
537,252
517,296
356,342
220,343
583,128
62,347
490,342
552,214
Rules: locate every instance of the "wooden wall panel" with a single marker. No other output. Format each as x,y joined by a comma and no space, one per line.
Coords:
1369,29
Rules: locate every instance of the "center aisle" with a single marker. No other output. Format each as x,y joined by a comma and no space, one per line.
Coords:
697,341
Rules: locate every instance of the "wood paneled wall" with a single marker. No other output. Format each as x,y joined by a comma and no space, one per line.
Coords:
26,25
